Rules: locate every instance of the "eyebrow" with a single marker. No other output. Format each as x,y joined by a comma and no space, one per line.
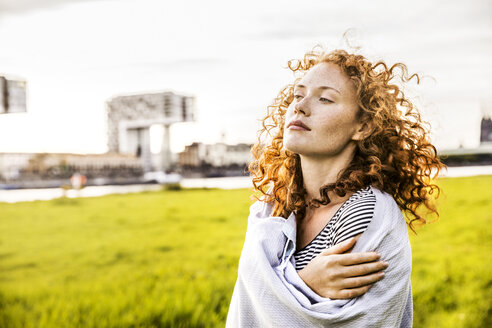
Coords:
323,87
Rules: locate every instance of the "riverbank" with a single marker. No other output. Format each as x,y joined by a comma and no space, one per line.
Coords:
22,195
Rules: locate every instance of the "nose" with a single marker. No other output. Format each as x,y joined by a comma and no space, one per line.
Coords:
301,106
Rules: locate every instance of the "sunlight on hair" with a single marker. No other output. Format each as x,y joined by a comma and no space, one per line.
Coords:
398,157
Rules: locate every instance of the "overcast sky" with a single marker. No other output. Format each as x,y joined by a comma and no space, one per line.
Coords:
231,55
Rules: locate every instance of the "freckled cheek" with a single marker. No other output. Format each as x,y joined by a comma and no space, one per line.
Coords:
328,124
334,127
335,118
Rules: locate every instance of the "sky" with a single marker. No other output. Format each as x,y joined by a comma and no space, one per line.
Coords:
231,55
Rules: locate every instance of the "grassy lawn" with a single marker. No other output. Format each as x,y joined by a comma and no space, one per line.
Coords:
452,272
169,259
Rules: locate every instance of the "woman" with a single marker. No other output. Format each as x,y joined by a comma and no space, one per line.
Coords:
345,153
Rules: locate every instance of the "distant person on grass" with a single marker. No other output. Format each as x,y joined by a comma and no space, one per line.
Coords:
341,154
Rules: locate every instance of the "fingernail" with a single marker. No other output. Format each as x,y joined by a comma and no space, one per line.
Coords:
385,263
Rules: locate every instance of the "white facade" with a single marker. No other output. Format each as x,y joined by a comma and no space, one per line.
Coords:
129,119
11,164
219,154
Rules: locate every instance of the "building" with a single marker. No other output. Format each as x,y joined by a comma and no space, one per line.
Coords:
219,155
190,157
12,165
54,169
130,117
481,155
19,168
12,96
486,130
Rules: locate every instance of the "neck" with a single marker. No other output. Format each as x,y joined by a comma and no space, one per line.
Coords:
319,171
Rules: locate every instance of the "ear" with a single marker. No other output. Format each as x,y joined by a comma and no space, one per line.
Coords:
364,130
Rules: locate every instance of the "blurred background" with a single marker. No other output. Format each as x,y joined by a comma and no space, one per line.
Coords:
125,133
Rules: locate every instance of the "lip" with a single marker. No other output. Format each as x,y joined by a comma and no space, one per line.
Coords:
298,125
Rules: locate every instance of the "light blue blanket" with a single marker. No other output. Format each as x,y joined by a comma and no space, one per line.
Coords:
270,293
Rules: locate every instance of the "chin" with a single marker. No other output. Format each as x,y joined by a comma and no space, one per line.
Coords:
295,148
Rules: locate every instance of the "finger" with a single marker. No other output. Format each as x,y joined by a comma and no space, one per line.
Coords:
362,269
361,281
356,239
358,258
353,292
340,248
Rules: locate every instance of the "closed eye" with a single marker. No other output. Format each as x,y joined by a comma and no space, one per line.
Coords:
325,100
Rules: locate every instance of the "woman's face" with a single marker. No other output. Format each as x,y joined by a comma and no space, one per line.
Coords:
325,102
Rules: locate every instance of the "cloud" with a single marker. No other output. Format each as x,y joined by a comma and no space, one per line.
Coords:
230,54
202,63
24,6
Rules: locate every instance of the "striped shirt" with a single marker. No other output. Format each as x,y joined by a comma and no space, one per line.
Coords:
351,219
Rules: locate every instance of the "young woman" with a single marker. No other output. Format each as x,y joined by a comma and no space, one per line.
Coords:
341,154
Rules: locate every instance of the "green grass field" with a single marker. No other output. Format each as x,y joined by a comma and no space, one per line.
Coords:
169,259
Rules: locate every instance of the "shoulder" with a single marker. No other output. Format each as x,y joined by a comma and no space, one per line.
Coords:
388,228
355,215
388,235
383,198
387,221
260,209
359,201
387,211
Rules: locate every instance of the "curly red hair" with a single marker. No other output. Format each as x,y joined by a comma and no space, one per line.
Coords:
397,157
